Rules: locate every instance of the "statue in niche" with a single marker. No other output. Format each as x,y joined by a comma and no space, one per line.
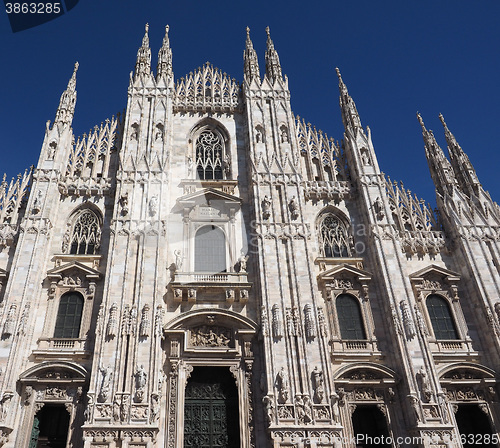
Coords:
266,208
365,158
318,384
153,205
424,384
124,204
294,208
283,385
258,135
107,374
284,135
140,382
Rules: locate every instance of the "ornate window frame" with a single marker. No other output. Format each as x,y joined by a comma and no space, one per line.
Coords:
69,277
345,279
435,280
200,209
73,221
343,223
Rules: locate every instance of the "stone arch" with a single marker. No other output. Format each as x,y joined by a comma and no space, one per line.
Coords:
340,242
72,220
209,338
377,370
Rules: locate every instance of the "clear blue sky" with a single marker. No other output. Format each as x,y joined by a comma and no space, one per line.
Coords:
396,58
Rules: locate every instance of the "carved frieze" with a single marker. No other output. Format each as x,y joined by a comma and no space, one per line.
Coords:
210,336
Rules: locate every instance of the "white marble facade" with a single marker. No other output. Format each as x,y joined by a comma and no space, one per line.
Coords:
334,294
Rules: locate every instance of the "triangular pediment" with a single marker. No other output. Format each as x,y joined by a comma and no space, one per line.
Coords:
437,271
345,271
74,266
206,196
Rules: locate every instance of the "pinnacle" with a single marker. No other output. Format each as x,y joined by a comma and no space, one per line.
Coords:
419,117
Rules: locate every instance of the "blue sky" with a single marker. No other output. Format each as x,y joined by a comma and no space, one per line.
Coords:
397,58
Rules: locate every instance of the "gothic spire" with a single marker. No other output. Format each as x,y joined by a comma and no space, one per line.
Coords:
464,171
164,67
143,63
350,115
250,61
439,166
273,67
67,103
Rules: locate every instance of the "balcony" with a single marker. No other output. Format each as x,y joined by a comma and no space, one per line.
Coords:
62,348
207,286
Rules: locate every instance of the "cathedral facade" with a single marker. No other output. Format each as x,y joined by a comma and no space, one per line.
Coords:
208,270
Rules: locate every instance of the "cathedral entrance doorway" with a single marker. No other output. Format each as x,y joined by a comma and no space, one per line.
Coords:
50,427
211,417
370,427
474,426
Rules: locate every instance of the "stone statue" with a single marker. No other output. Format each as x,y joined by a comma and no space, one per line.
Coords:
140,382
178,259
107,374
283,385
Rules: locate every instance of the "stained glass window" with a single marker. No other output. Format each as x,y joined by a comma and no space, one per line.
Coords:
334,239
209,155
85,237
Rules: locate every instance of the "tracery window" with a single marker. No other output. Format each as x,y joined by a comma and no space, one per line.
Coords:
210,155
85,237
350,318
210,250
441,318
334,237
69,316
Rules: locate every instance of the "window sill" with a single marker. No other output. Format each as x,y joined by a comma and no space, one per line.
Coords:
187,285
351,349
445,349
61,348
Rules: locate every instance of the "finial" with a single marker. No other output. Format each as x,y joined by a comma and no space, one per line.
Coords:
419,117
166,29
147,27
338,73
248,31
268,32
76,67
443,122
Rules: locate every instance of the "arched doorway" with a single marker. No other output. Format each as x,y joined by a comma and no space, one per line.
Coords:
370,427
50,427
211,414
474,427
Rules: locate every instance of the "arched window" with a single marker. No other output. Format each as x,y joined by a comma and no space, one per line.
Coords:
334,238
441,318
210,250
86,234
350,319
69,316
210,155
